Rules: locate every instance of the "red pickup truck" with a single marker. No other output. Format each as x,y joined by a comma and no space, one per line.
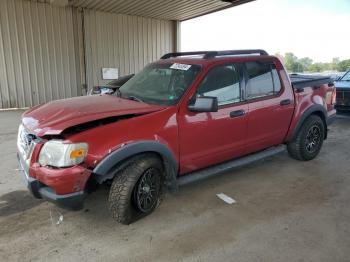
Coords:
185,117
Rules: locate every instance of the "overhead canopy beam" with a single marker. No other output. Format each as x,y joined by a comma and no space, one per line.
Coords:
178,10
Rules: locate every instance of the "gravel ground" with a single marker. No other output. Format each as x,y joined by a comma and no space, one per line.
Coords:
286,210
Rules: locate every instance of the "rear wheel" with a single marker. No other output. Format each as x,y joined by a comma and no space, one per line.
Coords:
136,190
308,142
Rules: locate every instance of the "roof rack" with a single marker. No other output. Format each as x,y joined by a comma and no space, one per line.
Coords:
211,54
176,54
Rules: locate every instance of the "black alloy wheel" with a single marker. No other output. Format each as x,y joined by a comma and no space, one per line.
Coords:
146,193
313,139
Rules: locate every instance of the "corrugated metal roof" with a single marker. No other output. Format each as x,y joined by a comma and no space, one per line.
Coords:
161,9
169,10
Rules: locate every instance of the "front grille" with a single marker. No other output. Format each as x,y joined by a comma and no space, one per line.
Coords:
343,97
25,142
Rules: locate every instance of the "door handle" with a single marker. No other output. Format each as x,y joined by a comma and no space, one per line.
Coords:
237,113
285,102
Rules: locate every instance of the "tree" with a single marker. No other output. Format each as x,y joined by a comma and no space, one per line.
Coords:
306,62
294,64
316,67
290,62
343,65
298,67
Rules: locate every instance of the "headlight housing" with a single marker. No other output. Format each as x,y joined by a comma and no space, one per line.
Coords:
58,154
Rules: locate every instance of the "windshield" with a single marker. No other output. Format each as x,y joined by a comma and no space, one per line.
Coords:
160,83
346,77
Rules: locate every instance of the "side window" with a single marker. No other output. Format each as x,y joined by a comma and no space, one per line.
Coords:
222,82
263,80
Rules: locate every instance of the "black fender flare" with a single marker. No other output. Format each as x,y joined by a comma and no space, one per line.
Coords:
107,168
314,109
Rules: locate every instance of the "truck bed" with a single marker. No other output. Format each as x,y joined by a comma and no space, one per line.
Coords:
301,81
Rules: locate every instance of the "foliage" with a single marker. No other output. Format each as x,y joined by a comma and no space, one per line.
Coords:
343,65
293,64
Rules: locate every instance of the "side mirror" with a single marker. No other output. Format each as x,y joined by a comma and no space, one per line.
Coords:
204,104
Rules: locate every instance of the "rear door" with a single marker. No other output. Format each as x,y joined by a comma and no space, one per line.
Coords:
208,138
270,105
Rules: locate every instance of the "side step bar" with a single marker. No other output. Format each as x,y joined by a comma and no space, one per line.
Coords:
215,170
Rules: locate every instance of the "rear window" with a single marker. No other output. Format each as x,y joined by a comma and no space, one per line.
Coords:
263,80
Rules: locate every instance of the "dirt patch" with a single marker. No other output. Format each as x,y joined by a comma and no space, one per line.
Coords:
16,202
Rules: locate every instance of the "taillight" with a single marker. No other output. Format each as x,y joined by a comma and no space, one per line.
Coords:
334,97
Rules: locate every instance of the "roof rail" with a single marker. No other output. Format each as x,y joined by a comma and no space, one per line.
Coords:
176,54
211,54
238,52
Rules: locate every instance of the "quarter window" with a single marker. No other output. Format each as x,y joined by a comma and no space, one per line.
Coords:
263,80
222,82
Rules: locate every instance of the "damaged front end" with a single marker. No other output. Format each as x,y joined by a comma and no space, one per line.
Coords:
63,186
55,156
53,168
92,124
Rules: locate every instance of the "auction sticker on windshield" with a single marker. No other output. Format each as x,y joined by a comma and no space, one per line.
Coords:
180,66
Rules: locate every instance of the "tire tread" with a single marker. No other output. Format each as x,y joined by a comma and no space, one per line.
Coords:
296,147
120,195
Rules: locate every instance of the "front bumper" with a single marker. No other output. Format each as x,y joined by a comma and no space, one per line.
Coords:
40,190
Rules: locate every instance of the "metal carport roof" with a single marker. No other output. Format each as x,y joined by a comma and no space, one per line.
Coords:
179,10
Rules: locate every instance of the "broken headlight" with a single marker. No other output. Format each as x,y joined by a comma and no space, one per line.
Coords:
58,154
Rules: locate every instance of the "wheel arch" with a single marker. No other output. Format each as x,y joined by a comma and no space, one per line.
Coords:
313,110
119,158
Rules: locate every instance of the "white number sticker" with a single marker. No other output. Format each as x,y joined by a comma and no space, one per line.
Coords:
183,67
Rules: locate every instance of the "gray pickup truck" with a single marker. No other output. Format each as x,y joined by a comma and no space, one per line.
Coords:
343,92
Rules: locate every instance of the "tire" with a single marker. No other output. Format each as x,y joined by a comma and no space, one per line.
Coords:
136,190
309,140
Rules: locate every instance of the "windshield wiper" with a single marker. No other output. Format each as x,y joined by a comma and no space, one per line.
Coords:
134,98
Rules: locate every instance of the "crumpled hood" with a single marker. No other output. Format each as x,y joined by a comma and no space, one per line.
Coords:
54,117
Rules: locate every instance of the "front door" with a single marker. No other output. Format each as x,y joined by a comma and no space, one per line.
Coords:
208,138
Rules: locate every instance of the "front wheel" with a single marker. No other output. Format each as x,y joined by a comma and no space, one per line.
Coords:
136,190
308,142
